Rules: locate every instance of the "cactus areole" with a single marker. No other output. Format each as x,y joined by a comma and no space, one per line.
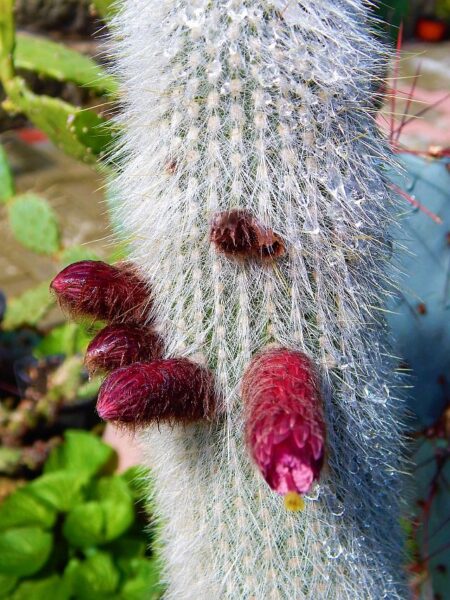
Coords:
253,199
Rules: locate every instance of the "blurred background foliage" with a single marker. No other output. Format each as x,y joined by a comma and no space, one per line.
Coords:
56,102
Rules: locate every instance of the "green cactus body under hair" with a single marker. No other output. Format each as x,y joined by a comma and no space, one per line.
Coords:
264,107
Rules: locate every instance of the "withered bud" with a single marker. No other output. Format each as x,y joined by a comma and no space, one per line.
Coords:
95,289
239,234
119,345
172,390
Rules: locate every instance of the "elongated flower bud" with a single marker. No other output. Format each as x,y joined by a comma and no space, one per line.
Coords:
174,390
238,233
119,345
284,421
95,289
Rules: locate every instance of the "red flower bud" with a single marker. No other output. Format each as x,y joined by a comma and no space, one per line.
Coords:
116,346
173,389
95,289
285,428
238,233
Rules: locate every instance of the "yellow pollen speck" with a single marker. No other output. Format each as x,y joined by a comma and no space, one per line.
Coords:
294,502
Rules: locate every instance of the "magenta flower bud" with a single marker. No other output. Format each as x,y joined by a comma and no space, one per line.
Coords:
238,233
174,390
284,421
95,289
119,345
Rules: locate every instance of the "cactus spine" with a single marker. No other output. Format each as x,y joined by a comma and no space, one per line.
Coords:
264,106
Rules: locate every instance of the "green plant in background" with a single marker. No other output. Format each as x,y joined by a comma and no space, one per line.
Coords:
34,224
79,132
443,9
51,384
77,530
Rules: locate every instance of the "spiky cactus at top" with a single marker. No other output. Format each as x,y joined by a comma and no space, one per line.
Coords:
252,196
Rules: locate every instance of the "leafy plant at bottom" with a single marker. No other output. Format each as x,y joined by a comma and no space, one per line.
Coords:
76,531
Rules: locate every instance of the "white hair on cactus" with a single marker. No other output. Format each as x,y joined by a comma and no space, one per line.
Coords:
265,106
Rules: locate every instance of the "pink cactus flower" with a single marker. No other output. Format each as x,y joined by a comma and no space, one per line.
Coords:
285,428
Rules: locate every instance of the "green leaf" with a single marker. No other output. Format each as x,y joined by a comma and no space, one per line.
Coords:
137,479
24,551
84,525
34,224
117,503
93,131
9,459
75,254
7,584
144,580
128,546
61,490
29,308
50,588
6,178
55,60
81,452
67,339
89,389
96,577
106,8
22,509
79,132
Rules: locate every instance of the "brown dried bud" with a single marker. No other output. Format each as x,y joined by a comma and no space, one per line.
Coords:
238,233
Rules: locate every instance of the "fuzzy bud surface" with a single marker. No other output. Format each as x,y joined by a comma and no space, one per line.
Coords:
284,419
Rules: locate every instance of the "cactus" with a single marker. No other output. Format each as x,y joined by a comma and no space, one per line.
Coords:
419,322
255,202
34,224
54,60
418,315
81,133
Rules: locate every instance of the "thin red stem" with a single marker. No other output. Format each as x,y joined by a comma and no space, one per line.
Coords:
417,204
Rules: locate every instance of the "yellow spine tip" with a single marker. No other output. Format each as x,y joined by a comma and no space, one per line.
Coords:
293,502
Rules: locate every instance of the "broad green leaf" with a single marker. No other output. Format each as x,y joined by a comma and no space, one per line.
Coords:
6,178
84,526
128,546
96,577
76,253
137,478
50,588
143,580
67,339
22,509
7,584
34,224
117,503
106,8
55,60
29,308
81,452
61,490
24,551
